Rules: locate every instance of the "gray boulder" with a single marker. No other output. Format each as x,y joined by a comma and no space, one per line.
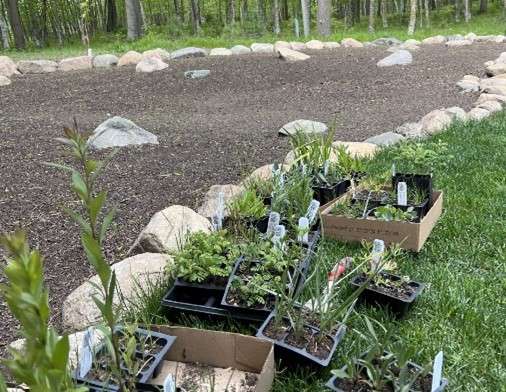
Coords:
386,41
385,139
240,49
400,57
262,48
188,52
305,126
410,130
37,66
4,80
105,61
210,203
7,67
197,74
150,64
75,63
119,132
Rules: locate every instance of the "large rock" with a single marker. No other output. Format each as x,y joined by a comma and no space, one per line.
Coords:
262,48
130,58
159,53
470,36
168,229
262,173
410,130
315,45
400,57
435,121
304,126
412,41
491,97
469,83
491,106
407,46
386,41
457,43
197,74
496,81
210,204
4,80
282,44
385,139
7,67
298,45
437,39
497,89
351,43
478,114
105,61
496,69
37,66
75,63
119,132
240,49
456,113
150,64
79,309
291,55
331,45
358,149
188,52
220,52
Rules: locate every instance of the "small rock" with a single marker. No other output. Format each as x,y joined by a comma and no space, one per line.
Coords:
210,204
368,44
37,66
351,43
410,130
7,67
4,80
282,44
385,139
478,114
496,69
457,113
240,49
490,97
437,39
158,53
401,57
487,63
455,37
168,229
491,106
262,48
188,52
501,59
291,55
407,46
435,121
220,52
412,41
469,85
119,132
331,45
150,64
197,74
457,43
130,58
79,309
75,63
470,36
358,149
304,126
298,46
262,173
386,42
314,45
496,81
105,61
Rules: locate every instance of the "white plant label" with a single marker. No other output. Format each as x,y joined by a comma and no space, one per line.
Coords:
394,172
326,168
168,384
312,210
437,371
220,212
402,194
86,354
279,234
303,237
378,248
274,219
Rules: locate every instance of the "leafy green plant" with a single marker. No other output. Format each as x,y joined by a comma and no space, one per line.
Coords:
421,158
205,255
247,205
390,213
345,207
42,363
312,150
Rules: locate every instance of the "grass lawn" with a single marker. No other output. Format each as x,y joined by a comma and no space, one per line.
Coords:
442,22
463,308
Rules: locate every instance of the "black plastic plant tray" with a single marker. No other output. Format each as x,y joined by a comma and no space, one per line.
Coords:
325,194
204,286
420,181
164,342
203,303
331,384
398,306
292,356
139,387
420,210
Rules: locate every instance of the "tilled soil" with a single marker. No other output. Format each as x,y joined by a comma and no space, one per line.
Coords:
211,131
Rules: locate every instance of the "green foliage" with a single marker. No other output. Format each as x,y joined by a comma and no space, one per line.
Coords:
421,158
42,364
204,256
247,205
390,213
353,210
254,292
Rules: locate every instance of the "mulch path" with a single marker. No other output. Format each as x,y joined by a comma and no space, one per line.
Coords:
211,131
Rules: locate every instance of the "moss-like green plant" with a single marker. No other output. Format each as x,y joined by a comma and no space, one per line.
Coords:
421,158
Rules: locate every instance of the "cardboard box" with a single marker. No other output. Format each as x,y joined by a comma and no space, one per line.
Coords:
411,236
230,354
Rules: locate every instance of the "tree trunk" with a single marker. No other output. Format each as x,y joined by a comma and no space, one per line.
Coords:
16,26
134,19
306,16
112,16
467,11
4,32
412,17
195,17
324,17
231,11
275,12
427,13
457,11
483,6
370,29
177,10
384,13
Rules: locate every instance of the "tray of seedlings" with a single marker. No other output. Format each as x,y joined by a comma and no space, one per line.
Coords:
386,367
382,287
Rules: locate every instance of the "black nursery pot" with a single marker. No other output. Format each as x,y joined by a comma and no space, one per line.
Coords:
163,341
292,356
325,194
420,210
374,295
420,181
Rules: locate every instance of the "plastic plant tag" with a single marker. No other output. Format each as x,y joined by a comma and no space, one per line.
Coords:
168,384
312,210
274,219
378,248
326,168
279,234
437,371
394,172
86,354
303,236
90,52
402,194
220,212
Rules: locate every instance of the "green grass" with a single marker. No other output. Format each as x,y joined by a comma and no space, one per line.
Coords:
463,308
442,22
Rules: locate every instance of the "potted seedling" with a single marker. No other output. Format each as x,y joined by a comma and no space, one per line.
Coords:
385,366
383,287
247,210
372,191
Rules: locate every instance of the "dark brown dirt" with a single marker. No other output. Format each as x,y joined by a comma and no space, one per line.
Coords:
211,131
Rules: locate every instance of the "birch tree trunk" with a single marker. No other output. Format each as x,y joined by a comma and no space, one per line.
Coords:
324,23
412,17
306,17
384,16
4,32
427,13
16,26
195,16
467,11
275,6
371,16
134,19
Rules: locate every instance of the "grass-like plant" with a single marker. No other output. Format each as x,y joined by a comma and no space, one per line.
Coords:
247,205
